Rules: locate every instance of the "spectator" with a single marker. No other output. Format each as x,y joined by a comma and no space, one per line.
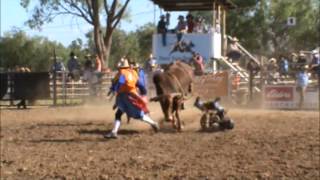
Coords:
90,77
253,67
199,25
283,66
302,60
74,67
162,29
190,23
58,66
181,28
150,64
302,81
272,69
234,53
198,64
315,62
88,62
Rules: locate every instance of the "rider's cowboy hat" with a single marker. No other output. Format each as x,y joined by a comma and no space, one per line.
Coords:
302,55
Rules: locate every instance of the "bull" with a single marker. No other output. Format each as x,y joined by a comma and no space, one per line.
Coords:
172,87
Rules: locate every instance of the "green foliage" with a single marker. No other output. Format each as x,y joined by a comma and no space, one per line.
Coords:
260,25
136,45
262,28
17,49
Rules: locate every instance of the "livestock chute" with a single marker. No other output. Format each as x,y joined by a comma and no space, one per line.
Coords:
3,84
35,85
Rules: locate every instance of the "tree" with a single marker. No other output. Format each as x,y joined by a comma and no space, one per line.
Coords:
17,49
144,36
89,10
261,25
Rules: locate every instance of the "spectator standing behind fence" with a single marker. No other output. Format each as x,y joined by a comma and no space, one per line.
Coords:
315,63
283,66
162,29
58,66
150,64
181,28
190,23
302,60
73,67
90,77
302,81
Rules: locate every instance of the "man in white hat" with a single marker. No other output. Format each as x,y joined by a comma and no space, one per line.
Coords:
234,53
128,100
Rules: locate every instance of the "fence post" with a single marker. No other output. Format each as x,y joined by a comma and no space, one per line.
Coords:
54,78
250,83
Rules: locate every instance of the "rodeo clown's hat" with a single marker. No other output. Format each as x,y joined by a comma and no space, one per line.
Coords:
123,64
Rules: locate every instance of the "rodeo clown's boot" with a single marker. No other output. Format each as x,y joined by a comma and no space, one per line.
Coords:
114,132
153,124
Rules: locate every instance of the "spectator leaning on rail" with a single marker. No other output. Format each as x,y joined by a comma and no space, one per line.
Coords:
302,81
127,100
73,67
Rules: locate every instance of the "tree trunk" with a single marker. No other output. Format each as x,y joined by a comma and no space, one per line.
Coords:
97,31
107,43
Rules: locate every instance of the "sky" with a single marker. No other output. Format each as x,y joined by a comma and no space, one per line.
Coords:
65,29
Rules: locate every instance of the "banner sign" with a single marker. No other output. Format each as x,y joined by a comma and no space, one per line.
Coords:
174,49
286,97
212,85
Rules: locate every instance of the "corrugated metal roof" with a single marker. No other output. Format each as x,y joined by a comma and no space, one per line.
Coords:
192,5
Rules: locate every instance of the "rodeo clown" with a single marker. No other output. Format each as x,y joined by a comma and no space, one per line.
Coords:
127,98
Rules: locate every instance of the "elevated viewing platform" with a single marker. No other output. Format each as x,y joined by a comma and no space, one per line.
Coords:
206,44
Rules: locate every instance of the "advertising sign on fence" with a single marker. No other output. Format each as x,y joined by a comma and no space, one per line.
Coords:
286,97
212,85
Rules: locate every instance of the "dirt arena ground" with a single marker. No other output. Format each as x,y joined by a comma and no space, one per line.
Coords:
67,143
